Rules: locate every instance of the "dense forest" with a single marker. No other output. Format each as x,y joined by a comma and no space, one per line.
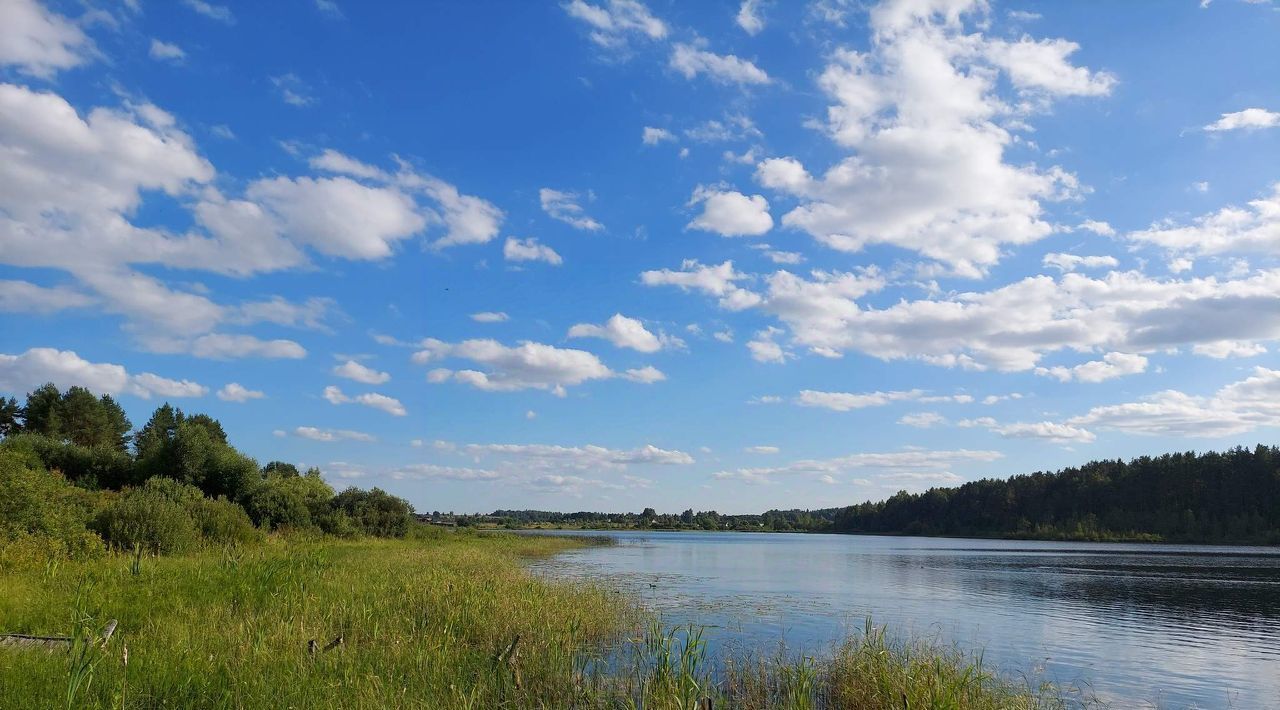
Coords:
1229,497
1233,496
76,478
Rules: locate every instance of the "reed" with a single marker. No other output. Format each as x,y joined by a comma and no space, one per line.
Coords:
445,619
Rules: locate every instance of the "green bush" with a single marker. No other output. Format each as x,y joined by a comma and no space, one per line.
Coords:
41,514
222,522
89,467
375,512
143,518
169,517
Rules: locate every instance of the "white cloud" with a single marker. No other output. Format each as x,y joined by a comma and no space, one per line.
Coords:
847,401
762,450
1010,327
1057,433
166,52
293,90
921,114
390,405
490,317
528,365
563,206
654,136
748,17
529,250
223,346
765,349
730,213
40,42
1111,365
726,69
1071,262
1231,229
329,8
339,216
614,21
1223,349
625,332
33,368
426,471
589,457
1237,408
922,420
26,297
719,281
310,432
1250,119
892,466
353,370
646,375
236,392
165,387
1098,227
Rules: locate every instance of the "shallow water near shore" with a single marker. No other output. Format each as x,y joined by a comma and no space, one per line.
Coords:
1169,626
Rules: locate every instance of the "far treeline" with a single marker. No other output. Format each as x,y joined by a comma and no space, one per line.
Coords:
75,479
1229,497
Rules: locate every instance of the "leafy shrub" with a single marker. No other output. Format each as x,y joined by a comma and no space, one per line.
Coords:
375,512
41,514
88,467
222,522
147,518
168,517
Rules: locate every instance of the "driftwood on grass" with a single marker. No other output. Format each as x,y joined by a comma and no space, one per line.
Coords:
52,643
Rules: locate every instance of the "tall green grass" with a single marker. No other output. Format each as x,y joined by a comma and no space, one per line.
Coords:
446,620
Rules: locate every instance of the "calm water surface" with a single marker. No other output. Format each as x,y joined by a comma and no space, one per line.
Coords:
1167,626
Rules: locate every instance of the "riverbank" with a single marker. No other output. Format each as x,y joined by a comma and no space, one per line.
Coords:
446,620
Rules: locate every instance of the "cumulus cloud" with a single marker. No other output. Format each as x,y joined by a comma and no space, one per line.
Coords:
731,214
749,18
33,368
353,370
223,346
1008,328
691,61
331,435
564,206
166,51
236,392
613,23
39,42
1250,119
625,332
589,457
528,365
26,297
1232,229
654,136
893,467
762,450
849,401
390,405
529,250
1111,365
1236,408
719,281
922,420
646,375
921,113
1071,262
490,317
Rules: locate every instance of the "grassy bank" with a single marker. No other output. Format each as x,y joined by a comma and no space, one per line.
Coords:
424,623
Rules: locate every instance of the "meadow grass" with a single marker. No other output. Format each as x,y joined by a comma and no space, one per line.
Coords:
447,620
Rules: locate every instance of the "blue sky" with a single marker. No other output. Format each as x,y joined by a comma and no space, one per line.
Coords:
609,254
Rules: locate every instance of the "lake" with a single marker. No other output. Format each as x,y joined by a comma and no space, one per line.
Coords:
1169,626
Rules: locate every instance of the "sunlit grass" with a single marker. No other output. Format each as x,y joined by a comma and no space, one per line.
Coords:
447,620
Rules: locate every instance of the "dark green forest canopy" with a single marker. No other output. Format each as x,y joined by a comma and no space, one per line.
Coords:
1228,497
